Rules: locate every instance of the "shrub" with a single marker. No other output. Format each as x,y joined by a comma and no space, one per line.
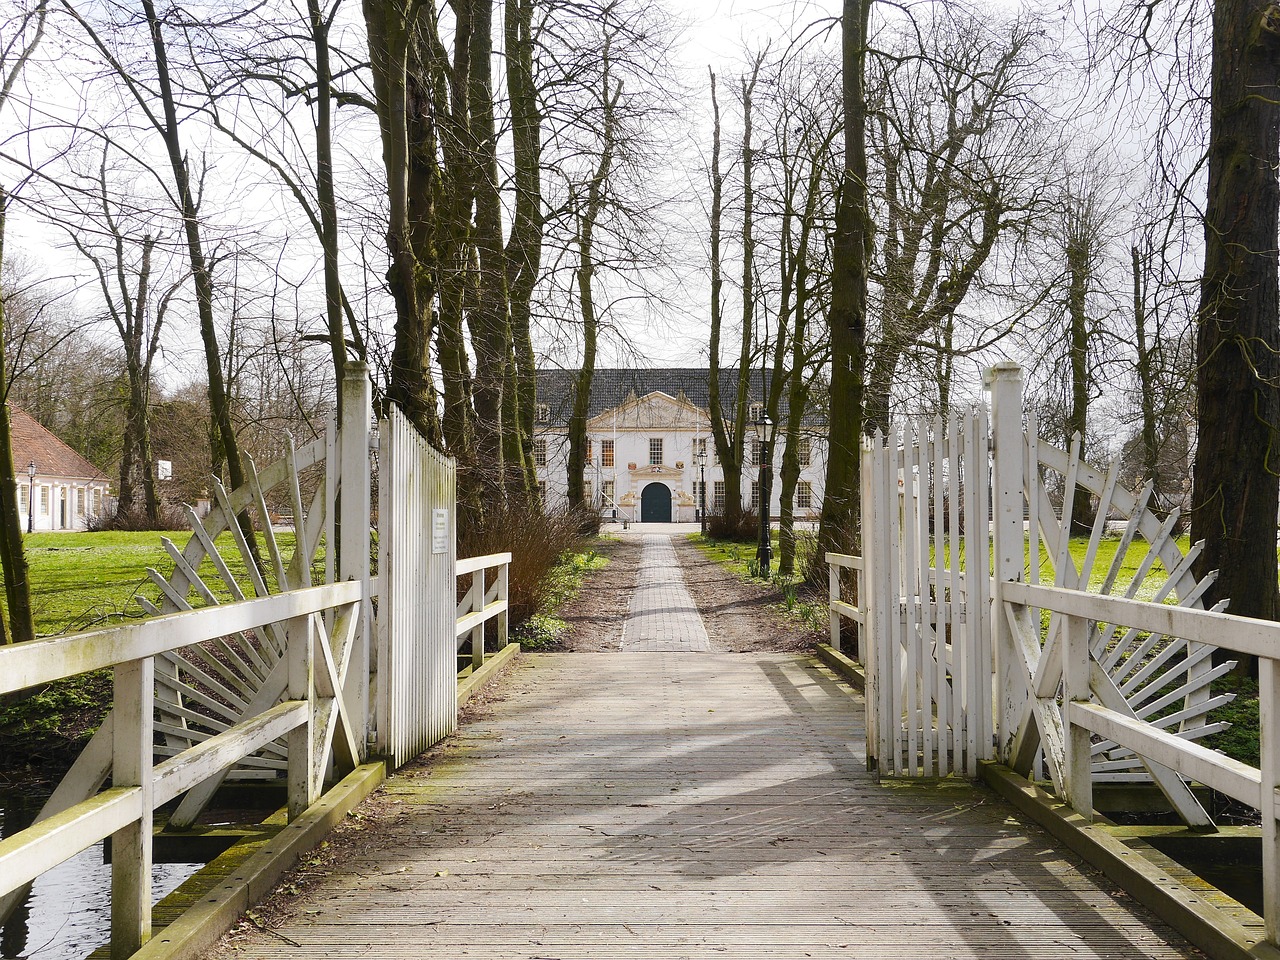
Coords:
537,539
170,517
745,528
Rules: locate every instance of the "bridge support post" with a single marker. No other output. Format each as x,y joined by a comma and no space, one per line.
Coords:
1004,380
353,551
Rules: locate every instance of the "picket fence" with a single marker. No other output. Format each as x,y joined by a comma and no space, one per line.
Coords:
985,637
290,678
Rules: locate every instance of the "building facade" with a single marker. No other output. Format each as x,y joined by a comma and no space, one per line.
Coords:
645,429
57,488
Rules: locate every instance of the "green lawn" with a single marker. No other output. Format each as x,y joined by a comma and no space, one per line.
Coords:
82,580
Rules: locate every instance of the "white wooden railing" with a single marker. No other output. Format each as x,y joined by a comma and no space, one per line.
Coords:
1085,711
308,718
839,607
481,604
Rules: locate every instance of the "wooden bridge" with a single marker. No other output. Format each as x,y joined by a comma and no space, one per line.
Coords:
692,805
667,799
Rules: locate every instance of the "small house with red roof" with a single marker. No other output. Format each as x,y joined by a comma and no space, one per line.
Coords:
57,488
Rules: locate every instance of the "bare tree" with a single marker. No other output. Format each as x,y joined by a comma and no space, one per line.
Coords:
26,29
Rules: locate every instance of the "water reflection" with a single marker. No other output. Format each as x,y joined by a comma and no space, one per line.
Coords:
67,915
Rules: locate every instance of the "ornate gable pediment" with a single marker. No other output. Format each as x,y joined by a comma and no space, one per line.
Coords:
653,411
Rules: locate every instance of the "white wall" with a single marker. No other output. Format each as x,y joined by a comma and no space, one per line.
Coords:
83,500
679,470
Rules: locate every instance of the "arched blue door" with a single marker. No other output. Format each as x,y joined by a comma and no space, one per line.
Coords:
655,503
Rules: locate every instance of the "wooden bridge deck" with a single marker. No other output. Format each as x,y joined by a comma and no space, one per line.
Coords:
695,805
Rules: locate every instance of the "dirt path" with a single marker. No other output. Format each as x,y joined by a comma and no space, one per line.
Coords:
737,613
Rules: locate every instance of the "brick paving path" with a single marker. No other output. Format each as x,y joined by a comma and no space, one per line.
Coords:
663,617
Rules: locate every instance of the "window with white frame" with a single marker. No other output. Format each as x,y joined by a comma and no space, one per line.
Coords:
22,498
717,500
655,451
606,453
44,501
540,451
699,494
608,491
804,495
542,413
588,493
755,494
804,451
756,446
542,490
755,411
591,446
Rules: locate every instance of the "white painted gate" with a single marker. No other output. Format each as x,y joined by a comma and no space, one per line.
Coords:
952,511
926,551
417,690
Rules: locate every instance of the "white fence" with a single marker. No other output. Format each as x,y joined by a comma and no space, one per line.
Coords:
1100,672
926,586
307,717
417,695
285,681
482,603
1088,710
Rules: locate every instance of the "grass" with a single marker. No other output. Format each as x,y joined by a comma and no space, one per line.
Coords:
793,600
543,630
84,580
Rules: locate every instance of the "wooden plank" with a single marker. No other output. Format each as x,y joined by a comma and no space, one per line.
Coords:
691,805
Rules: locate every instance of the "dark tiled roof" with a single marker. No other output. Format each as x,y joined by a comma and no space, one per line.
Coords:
611,386
52,457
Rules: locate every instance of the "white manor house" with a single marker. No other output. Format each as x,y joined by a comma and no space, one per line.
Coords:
644,430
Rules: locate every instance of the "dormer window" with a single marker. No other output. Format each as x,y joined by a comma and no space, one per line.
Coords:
755,411
542,413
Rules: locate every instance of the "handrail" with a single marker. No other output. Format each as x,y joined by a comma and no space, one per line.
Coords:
125,811
36,662
840,607
480,605
1083,716
472,564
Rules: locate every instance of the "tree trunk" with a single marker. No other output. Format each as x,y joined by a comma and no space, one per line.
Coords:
728,453
524,245
1235,491
325,198
219,403
850,255
488,318
13,561
1146,385
403,118
1080,240
586,294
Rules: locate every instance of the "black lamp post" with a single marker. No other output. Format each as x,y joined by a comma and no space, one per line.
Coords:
701,460
764,433
31,500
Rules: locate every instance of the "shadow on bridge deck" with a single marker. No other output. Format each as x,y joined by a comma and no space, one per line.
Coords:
670,805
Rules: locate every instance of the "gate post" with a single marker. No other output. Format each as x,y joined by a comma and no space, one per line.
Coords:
353,550
1004,380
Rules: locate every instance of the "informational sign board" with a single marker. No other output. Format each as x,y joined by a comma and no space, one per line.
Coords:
440,531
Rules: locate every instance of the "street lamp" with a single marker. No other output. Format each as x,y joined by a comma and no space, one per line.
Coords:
700,458
764,433
31,500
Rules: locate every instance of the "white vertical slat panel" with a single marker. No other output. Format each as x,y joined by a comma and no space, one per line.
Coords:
939,530
910,593
418,700
924,641
893,674
960,756
984,653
